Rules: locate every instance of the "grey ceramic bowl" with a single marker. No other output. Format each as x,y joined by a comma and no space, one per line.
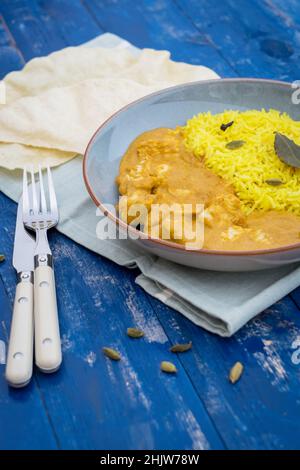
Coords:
169,108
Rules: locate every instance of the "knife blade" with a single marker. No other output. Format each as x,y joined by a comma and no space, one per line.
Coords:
24,245
20,351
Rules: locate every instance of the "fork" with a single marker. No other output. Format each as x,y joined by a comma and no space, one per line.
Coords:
39,217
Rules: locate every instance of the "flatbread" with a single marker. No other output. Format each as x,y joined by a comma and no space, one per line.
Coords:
54,105
75,64
14,156
65,118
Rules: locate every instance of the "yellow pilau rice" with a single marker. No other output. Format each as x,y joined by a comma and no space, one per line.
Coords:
249,167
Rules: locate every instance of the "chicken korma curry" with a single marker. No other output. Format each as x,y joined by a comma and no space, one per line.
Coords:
236,166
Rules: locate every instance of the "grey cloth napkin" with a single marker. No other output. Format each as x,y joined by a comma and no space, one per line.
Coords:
219,302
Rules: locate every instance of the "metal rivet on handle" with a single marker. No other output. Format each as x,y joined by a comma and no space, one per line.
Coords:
18,355
47,341
44,284
22,300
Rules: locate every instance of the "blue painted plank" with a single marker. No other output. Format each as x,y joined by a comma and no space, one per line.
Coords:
125,405
252,42
42,27
74,22
159,24
261,411
286,12
10,56
33,36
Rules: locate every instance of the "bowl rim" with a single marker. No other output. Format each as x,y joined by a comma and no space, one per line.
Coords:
158,241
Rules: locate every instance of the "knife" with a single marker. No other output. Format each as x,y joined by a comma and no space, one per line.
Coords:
20,351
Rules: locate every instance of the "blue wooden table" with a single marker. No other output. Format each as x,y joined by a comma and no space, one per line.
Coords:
92,403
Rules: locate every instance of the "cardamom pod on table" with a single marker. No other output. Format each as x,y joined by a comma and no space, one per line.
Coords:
168,367
111,353
236,372
135,333
181,347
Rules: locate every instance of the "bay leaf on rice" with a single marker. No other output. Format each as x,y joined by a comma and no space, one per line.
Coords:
287,150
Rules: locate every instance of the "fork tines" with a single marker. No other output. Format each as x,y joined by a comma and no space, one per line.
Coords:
35,200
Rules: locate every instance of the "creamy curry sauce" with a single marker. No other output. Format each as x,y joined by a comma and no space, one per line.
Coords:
158,169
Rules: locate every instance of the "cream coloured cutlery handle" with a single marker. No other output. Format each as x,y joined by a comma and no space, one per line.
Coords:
47,340
20,351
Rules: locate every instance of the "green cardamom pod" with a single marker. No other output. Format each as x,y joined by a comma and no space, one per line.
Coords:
111,353
274,182
181,347
168,367
236,372
235,144
135,333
